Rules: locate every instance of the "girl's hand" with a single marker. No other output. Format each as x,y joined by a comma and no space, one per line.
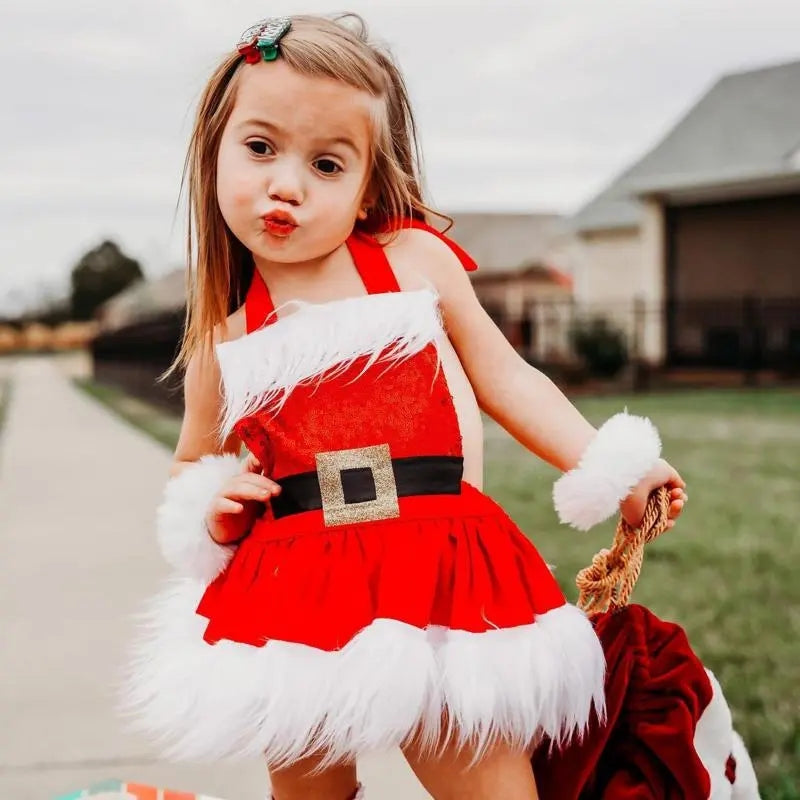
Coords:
234,509
633,506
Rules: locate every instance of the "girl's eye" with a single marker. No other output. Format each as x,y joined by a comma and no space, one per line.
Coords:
259,148
327,167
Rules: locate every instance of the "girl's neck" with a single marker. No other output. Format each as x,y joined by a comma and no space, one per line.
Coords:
298,273
318,280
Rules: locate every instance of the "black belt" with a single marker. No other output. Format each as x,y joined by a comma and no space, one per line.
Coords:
419,475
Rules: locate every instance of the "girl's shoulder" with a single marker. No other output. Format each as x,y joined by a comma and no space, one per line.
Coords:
202,369
416,253
234,327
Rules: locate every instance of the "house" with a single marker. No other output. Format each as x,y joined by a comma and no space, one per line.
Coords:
144,299
518,281
705,230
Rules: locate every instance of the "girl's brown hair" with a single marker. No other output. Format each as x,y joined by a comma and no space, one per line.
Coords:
219,270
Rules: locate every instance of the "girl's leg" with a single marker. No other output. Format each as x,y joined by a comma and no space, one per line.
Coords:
303,781
446,773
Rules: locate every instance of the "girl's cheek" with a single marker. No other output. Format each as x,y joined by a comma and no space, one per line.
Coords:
241,197
235,188
234,176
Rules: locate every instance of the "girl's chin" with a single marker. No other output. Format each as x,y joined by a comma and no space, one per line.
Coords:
279,250
268,244
275,239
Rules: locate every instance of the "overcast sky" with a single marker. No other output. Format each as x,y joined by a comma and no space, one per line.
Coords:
521,105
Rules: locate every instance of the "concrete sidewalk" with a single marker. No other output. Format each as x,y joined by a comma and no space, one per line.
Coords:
78,489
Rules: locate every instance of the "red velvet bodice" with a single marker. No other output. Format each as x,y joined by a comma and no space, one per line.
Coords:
406,403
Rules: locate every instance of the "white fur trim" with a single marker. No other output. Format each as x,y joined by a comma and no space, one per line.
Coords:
261,369
624,450
229,700
746,784
180,518
714,741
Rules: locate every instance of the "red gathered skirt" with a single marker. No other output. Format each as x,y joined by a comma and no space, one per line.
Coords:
451,561
351,639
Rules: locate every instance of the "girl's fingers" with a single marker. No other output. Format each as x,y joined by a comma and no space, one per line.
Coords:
675,508
678,494
264,485
251,464
224,505
673,478
259,481
248,491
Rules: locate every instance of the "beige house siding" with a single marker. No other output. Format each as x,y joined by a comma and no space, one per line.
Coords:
651,283
615,268
606,267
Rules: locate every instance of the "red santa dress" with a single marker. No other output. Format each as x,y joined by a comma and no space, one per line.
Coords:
379,596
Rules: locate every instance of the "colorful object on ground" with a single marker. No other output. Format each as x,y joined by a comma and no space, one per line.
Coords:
117,790
260,41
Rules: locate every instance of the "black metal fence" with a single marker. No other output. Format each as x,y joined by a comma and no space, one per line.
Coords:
740,338
134,357
730,333
747,333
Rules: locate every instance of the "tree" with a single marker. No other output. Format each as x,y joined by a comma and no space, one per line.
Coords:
98,276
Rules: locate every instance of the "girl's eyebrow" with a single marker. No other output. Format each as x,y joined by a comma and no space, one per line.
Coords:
259,123
345,141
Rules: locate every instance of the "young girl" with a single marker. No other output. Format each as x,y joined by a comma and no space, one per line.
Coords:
347,587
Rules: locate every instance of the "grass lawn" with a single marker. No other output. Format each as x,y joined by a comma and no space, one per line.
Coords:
163,427
726,572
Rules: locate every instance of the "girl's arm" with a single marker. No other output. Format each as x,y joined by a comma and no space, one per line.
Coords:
203,403
202,398
518,396
535,411
211,498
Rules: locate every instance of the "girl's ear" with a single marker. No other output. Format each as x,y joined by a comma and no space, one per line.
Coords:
368,200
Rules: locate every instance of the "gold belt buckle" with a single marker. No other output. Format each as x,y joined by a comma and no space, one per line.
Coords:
378,459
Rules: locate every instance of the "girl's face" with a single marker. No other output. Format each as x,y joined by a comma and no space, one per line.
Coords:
293,163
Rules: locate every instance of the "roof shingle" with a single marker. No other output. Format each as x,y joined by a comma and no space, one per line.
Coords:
746,126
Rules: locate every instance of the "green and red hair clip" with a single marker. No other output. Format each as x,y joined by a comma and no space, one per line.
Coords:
260,41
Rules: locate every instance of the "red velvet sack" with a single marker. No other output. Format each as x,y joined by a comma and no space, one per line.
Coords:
656,690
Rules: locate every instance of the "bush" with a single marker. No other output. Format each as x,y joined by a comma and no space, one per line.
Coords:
601,346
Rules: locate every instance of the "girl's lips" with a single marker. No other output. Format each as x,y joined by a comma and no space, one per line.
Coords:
279,223
278,227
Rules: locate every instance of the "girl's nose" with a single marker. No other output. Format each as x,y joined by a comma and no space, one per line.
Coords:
285,186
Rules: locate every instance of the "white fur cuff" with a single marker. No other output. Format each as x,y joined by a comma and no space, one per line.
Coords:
180,518
624,450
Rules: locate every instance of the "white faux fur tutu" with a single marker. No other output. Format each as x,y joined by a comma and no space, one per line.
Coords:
226,701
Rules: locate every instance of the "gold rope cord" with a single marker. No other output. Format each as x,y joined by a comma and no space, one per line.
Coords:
607,583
